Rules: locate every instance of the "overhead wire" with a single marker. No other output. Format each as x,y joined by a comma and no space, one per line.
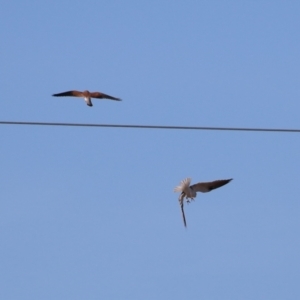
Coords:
278,130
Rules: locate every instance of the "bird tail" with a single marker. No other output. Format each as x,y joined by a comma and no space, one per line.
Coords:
183,216
181,197
184,184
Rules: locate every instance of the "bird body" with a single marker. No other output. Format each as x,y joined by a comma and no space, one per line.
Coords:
86,95
185,189
190,191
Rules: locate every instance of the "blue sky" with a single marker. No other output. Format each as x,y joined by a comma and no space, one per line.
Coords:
90,213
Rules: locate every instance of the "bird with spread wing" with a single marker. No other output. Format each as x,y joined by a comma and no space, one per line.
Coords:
190,191
87,96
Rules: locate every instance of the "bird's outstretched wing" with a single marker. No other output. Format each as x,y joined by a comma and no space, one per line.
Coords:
101,96
205,187
69,93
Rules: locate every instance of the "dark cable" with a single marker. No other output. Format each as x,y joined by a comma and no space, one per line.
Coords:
151,126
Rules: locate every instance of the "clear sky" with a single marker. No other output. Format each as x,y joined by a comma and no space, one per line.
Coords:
90,213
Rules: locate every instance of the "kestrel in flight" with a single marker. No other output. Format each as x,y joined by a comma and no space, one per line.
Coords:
190,191
87,96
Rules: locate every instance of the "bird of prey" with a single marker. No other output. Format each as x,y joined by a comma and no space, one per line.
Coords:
87,96
190,191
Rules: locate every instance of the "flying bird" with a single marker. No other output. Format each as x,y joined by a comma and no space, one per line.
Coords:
87,96
190,191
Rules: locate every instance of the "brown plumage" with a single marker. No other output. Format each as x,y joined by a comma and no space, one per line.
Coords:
87,96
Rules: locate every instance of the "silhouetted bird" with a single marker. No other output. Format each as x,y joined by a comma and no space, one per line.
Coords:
190,191
87,96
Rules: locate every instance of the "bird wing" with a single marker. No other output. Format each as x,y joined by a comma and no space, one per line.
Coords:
101,96
69,93
181,199
205,187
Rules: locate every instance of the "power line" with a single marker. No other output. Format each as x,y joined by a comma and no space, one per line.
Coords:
151,126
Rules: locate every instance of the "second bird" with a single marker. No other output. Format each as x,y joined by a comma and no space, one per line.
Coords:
87,96
190,191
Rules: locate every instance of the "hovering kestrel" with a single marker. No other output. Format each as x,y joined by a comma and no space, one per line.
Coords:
190,191
87,96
